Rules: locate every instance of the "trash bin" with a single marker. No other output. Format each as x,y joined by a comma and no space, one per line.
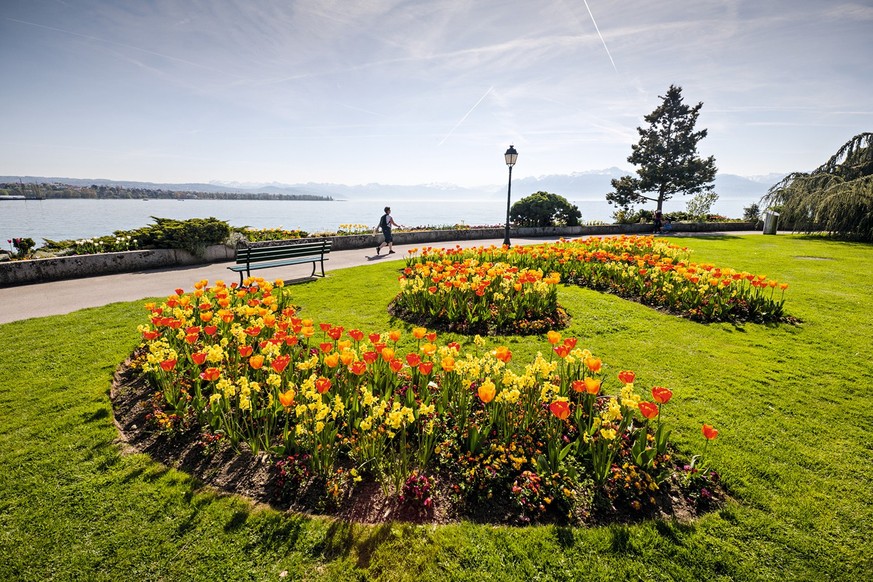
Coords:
771,220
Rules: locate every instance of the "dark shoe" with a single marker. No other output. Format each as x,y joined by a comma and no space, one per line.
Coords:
378,250
390,252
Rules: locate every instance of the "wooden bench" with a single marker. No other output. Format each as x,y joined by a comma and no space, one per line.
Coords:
249,259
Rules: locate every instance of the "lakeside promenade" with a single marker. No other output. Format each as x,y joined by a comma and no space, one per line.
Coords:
61,297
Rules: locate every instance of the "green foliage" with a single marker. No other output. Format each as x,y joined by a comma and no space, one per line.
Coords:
545,209
667,157
23,247
835,198
192,235
700,205
752,213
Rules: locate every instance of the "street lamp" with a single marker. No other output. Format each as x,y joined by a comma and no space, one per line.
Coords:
511,155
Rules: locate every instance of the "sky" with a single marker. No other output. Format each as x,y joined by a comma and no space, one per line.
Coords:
419,92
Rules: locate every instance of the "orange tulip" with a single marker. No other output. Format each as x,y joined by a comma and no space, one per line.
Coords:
560,409
394,335
661,395
578,386
593,364
553,337
286,399
347,357
648,409
592,385
256,361
503,354
332,360
387,354
358,368
486,392
708,432
448,364
419,332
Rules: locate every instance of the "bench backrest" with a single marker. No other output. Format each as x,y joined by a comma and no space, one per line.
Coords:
288,251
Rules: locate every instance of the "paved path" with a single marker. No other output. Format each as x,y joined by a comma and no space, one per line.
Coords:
60,297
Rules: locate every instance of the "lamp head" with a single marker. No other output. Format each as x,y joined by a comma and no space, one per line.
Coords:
511,155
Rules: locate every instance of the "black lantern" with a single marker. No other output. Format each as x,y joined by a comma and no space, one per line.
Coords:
511,155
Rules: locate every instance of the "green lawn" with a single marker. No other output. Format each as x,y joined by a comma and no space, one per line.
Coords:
791,403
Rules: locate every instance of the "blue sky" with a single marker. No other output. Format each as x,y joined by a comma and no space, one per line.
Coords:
412,92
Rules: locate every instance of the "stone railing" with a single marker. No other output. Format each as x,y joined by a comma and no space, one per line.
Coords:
58,268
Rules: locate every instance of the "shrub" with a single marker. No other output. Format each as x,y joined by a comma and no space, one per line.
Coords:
192,235
545,209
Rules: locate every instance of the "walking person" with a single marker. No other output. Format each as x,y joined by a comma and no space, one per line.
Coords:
385,225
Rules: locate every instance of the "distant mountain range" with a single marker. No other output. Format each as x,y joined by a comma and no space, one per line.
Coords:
577,186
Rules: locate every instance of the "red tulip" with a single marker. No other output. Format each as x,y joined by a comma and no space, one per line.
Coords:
322,385
210,374
280,363
358,368
198,358
626,376
661,395
648,409
560,408
708,432
426,368
168,365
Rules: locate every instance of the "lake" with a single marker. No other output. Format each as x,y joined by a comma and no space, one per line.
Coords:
70,219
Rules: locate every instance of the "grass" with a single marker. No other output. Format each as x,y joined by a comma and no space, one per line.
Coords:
791,404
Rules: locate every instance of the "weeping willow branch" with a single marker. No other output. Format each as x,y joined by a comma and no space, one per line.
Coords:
836,198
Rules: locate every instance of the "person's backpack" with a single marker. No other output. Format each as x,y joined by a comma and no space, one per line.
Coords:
383,224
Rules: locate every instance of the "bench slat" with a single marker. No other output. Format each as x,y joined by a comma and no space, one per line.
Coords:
264,257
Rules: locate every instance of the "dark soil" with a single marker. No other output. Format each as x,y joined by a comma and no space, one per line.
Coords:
252,476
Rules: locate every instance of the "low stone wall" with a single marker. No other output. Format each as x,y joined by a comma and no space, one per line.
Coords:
58,268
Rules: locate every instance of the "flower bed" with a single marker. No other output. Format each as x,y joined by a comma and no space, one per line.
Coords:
472,297
553,439
649,270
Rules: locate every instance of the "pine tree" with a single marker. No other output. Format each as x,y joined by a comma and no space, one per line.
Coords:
667,156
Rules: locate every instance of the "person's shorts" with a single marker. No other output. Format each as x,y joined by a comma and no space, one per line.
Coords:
388,236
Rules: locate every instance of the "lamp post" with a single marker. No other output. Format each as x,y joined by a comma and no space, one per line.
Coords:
511,155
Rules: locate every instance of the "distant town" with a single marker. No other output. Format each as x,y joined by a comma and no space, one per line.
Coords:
44,191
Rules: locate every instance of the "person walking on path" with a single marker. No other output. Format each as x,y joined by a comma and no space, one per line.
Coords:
385,225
